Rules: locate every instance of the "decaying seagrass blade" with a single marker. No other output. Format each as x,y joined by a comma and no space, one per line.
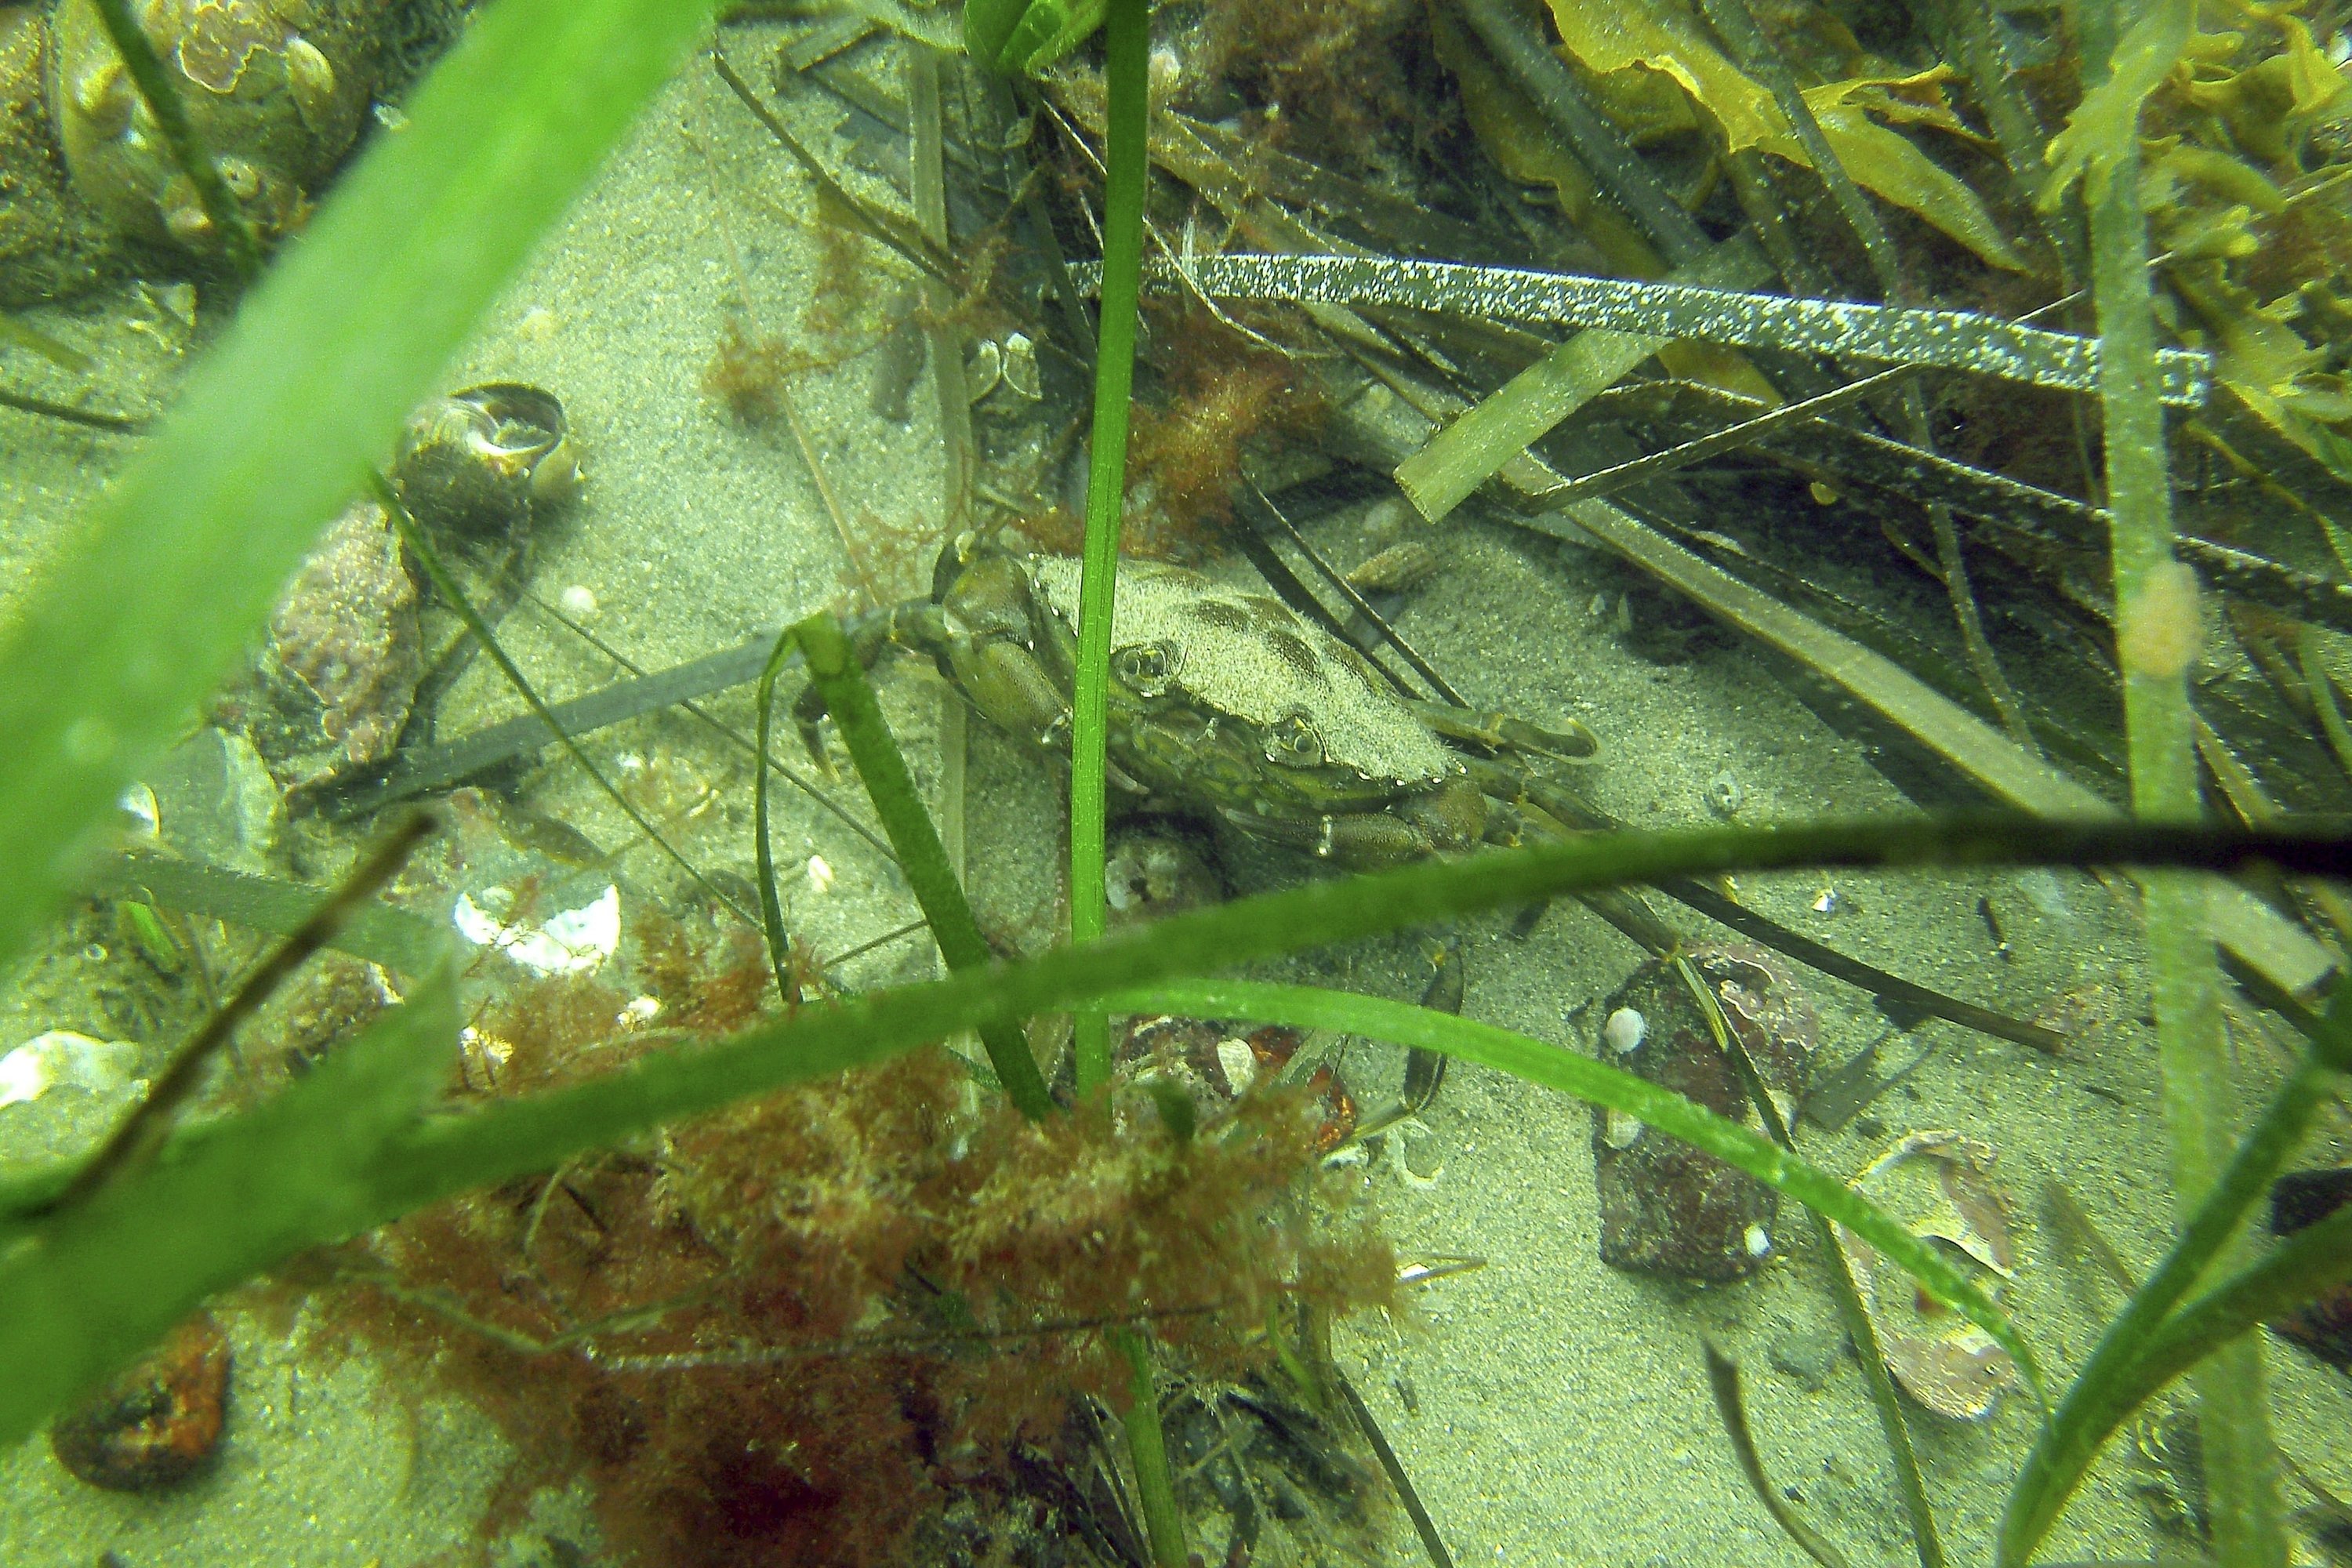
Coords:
1956,340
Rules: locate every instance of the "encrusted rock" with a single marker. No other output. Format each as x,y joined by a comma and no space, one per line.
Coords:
156,1424
1665,1207
344,657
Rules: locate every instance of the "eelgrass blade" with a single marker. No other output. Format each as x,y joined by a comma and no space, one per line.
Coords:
403,942
109,1276
1723,1380
771,908
2111,1383
142,1132
1954,340
170,574
2314,1259
1127,166
42,1294
1433,1545
2155,599
1859,1328
1147,1447
834,669
187,148
65,356
453,593
1550,1066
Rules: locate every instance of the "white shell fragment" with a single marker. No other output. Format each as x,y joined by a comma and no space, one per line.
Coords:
1624,1031
1240,1065
1940,1186
62,1058
571,942
1756,1239
820,874
1621,1130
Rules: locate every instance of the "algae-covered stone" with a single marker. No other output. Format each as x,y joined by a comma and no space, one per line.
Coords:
1666,1208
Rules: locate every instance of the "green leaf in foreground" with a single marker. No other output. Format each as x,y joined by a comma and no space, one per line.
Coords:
173,571
85,1293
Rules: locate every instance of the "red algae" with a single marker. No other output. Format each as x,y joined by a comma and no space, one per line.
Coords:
802,1330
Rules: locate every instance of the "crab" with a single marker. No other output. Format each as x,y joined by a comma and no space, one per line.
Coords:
1222,701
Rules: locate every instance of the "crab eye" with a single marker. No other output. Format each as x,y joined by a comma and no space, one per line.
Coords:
1293,741
1147,669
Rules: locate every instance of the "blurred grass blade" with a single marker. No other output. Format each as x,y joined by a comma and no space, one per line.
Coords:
834,671
1663,1110
173,571
2114,1382
103,1282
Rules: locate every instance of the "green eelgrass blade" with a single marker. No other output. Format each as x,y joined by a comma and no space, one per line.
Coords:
834,671
1129,26
2111,1383
2155,597
173,572
41,1293
93,1287
1550,1067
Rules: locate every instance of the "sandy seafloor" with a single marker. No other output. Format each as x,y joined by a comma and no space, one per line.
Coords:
1550,1410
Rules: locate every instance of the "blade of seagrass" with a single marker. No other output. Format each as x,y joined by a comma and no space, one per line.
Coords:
1956,340
70,1309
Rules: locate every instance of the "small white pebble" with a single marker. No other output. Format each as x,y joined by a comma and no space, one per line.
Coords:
578,601
640,1010
1757,1241
1621,1130
820,874
1624,1031
1240,1063
537,325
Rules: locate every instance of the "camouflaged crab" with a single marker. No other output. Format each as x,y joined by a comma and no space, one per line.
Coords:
1221,700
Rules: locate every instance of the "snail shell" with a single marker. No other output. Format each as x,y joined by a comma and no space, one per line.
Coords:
481,459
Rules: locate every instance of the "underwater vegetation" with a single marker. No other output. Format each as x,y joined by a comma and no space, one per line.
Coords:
778,1277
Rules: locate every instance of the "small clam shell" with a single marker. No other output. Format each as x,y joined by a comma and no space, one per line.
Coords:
1021,367
477,460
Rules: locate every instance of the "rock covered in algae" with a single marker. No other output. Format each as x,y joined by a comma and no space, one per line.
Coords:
159,1422
344,655
52,243
274,89
1666,1208
1941,1185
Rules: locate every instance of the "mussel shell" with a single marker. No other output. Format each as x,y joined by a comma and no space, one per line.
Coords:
477,461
